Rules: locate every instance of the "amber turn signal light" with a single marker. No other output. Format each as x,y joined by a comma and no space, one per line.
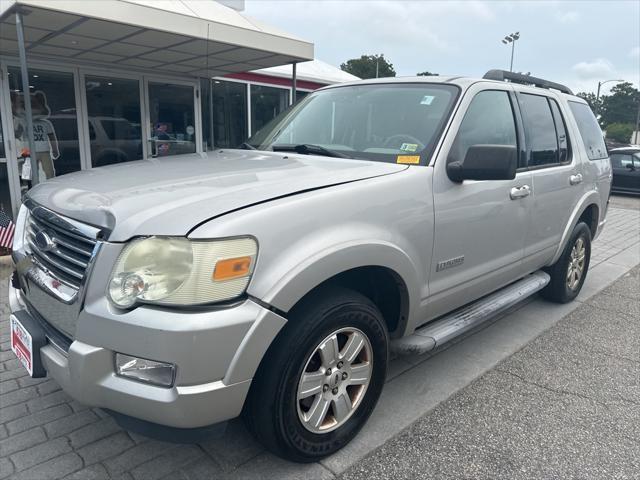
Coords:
231,268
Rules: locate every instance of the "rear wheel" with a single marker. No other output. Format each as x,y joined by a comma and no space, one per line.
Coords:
569,272
321,379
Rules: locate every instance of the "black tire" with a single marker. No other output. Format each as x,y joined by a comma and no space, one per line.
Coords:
558,289
271,409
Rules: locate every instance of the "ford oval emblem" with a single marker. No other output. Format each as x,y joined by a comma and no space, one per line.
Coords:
43,241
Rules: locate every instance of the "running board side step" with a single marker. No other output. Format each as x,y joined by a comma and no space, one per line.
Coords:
440,331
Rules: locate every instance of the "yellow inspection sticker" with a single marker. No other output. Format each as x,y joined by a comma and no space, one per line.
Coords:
410,159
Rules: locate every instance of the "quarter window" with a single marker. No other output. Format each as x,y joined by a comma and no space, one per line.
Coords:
589,131
540,131
488,121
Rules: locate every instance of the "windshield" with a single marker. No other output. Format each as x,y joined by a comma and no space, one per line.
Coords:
398,123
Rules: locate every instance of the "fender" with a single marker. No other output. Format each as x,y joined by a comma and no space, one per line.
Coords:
309,272
587,199
306,275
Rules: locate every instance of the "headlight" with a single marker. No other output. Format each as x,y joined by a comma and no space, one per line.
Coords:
178,271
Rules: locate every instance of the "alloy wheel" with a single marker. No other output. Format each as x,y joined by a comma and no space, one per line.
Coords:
334,380
575,269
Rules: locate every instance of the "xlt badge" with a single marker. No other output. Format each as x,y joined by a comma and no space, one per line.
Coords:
452,262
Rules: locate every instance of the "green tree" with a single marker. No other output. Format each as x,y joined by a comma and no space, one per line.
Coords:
591,100
620,132
366,66
427,74
620,106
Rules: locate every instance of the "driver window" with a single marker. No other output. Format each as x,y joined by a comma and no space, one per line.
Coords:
620,161
488,121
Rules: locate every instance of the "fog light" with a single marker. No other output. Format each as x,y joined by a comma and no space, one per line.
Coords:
148,371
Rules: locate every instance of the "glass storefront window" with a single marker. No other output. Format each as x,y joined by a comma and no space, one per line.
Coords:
229,113
171,111
300,94
53,103
113,106
5,197
266,103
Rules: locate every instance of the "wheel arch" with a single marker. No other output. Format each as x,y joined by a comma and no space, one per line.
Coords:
588,210
380,271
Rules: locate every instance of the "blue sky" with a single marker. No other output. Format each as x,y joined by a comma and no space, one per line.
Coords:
574,42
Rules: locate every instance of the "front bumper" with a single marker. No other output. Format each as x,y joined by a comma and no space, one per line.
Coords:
216,354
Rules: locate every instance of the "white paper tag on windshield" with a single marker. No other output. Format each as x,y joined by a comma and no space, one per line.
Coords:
427,99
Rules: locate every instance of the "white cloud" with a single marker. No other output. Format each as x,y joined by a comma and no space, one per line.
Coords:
635,52
600,67
570,16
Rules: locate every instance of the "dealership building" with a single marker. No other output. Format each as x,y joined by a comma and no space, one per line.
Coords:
112,81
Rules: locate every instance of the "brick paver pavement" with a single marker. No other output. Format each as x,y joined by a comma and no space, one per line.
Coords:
46,434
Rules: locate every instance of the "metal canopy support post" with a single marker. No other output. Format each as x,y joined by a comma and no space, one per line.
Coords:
211,117
294,82
26,93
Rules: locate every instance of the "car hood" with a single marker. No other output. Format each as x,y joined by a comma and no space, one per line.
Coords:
171,195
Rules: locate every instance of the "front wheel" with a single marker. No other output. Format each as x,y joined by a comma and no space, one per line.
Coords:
322,377
569,272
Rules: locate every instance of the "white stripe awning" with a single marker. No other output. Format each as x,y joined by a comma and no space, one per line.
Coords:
188,37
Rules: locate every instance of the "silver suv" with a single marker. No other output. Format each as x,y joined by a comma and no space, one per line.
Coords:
275,279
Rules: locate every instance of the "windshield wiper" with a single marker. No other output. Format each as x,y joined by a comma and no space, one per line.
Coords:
246,146
308,148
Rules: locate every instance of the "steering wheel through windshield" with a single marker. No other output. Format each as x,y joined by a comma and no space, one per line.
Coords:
397,140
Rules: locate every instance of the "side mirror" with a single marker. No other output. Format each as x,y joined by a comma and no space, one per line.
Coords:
630,166
485,162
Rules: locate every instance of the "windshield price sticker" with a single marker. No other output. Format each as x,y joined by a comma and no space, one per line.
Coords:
408,159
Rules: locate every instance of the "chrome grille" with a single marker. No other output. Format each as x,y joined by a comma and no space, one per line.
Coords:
70,250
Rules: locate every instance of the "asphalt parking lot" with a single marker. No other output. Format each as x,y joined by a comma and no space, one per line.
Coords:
544,391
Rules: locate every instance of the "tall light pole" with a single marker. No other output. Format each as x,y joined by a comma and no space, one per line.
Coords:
511,39
598,93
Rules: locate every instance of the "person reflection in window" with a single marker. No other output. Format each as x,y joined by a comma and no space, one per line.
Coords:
160,133
46,143
47,148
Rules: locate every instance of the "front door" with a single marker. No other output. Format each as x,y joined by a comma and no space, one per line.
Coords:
479,225
172,118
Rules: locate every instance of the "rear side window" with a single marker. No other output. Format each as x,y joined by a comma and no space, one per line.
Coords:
540,130
590,132
488,121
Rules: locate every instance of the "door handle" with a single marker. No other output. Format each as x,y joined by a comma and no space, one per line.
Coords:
520,192
575,179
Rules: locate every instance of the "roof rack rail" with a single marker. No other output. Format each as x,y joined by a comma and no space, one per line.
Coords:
502,75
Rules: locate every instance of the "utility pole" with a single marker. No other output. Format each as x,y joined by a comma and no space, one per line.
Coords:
377,62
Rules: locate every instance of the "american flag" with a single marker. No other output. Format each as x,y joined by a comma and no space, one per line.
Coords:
6,230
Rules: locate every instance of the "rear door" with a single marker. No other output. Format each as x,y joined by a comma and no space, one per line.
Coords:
479,225
556,174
